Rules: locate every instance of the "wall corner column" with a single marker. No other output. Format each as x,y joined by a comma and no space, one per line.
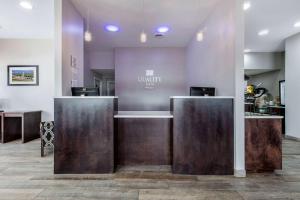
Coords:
239,113
58,47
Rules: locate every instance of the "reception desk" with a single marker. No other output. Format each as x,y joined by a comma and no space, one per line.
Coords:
203,135
194,137
84,135
143,137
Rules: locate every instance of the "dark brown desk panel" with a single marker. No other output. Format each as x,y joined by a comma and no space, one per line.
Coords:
23,125
31,125
84,135
203,136
263,144
12,129
144,141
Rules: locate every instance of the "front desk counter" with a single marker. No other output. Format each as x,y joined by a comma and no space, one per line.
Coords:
84,135
203,135
143,138
195,137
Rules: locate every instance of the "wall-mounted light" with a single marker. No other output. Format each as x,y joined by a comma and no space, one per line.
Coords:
200,36
88,36
143,37
26,4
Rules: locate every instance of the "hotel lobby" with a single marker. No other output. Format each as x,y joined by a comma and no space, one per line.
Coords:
149,99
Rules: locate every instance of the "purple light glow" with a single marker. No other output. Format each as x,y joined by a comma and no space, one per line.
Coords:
112,28
162,29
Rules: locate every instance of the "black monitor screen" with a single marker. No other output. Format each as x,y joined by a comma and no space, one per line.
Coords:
202,91
82,91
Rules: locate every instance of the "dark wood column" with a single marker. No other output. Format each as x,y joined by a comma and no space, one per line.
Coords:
84,135
203,135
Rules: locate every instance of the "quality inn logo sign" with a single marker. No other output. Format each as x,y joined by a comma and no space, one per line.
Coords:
150,80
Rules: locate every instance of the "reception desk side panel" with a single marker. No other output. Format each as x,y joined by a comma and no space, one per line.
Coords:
84,136
203,136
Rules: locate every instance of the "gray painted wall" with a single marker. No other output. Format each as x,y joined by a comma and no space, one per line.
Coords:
211,63
132,63
269,80
292,70
264,60
217,61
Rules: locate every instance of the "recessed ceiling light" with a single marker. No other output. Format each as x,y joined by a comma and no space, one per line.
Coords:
162,29
112,28
247,5
26,4
297,24
247,51
263,32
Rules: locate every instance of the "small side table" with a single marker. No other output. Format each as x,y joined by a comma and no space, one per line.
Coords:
20,124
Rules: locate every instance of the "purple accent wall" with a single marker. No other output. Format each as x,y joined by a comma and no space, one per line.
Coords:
147,77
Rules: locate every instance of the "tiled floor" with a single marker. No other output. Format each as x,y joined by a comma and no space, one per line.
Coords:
25,175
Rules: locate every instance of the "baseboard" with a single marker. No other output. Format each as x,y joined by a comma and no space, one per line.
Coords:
292,138
240,173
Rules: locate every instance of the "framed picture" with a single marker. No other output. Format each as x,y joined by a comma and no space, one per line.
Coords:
282,92
23,75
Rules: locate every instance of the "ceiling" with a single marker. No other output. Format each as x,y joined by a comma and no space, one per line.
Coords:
16,22
183,18
279,16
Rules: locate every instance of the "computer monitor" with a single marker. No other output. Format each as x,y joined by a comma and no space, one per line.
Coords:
202,91
83,91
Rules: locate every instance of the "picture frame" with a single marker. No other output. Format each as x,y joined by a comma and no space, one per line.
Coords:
282,92
22,75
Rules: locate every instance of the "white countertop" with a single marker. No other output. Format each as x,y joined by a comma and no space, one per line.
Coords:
143,114
86,97
202,97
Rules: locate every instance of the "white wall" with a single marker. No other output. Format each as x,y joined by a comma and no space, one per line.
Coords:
264,60
72,45
292,77
217,61
28,52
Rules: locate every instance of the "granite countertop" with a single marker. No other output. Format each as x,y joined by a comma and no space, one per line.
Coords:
249,115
